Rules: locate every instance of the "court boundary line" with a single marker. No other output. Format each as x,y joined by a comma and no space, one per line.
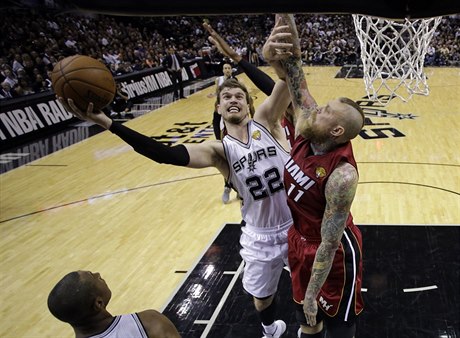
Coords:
105,195
410,183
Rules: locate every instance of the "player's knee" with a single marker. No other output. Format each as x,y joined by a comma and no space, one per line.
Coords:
263,303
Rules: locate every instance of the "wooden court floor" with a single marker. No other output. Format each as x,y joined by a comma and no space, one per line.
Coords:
99,206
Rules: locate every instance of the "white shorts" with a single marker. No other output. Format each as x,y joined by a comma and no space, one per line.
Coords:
265,255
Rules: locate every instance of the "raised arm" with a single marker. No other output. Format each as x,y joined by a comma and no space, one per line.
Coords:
262,81
302,100
340,191
272,109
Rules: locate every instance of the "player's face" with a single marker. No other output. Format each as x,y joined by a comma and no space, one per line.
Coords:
317,127
227,70
233,105
100,286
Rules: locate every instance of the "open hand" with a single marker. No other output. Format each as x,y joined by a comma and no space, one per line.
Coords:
288,19
278,45
221,44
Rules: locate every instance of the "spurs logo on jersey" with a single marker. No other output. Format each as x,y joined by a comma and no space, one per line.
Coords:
249,160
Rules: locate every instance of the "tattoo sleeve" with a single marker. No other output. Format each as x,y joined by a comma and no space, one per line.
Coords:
340,191
301,97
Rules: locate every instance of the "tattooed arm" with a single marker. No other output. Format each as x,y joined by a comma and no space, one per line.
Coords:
340,192
302,100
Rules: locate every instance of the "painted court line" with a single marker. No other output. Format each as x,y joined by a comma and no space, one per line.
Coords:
424,288
219,306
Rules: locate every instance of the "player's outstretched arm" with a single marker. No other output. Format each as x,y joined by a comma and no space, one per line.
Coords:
207,154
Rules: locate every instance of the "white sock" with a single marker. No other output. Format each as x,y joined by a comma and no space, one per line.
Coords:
270,329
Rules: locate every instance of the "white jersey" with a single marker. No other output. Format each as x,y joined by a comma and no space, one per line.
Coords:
125,326
221,80
256,173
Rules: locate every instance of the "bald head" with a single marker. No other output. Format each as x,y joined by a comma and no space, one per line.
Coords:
351,119
73,299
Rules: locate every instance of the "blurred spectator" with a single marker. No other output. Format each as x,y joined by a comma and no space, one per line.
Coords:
34,39
6,92
10,77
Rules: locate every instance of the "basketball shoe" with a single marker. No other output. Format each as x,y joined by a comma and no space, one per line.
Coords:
279,330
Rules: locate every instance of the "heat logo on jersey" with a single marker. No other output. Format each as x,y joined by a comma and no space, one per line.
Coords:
249,160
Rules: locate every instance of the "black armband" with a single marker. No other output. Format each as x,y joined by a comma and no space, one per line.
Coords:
262,81
156,151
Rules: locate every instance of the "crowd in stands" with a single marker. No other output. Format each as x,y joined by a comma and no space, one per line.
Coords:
34,41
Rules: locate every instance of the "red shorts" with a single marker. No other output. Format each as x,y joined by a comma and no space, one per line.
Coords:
340,295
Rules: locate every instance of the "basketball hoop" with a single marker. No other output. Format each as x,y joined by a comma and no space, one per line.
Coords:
393,54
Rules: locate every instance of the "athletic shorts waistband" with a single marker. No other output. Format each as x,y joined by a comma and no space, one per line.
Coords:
281,228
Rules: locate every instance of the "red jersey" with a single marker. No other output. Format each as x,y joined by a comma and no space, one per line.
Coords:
305,179
289,130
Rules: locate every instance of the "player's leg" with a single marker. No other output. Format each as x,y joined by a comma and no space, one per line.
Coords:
264,258
299,254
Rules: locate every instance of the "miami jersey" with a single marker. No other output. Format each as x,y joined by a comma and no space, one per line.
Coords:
256,173
305,178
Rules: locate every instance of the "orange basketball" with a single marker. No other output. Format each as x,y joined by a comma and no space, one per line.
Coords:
84,80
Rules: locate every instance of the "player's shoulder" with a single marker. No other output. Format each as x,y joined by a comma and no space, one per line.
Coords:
344,179
345,172
157,324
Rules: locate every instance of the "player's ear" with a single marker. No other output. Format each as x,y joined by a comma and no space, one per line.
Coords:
98,304
337,131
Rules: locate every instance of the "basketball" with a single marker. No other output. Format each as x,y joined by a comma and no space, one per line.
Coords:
84,80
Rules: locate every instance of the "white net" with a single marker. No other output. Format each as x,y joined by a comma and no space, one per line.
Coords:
393,54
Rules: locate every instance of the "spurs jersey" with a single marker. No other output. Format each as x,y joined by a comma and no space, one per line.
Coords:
256,173
124,326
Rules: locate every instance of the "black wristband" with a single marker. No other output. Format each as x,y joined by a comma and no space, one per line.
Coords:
262,81
156,151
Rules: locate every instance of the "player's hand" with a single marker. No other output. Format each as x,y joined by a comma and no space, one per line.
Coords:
221,44
99,117
278,45
310,309
288,20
